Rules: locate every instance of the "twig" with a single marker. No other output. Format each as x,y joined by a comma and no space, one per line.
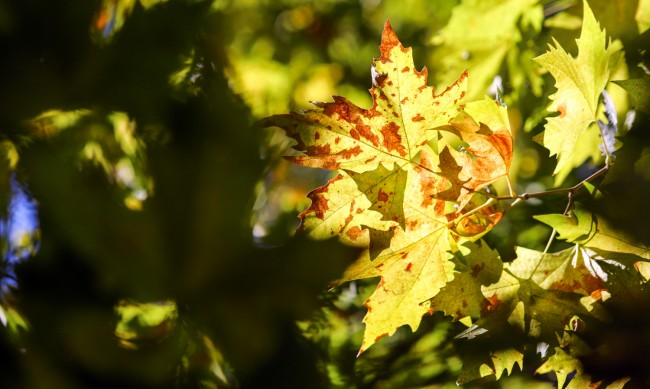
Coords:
572,190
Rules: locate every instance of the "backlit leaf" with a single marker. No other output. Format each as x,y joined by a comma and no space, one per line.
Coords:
593,232
479,365
341,135
546,287
579,82
463,297
409,204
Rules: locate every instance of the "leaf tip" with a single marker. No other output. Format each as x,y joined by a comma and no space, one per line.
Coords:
389,40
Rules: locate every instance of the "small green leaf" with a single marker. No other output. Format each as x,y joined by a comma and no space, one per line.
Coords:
594,232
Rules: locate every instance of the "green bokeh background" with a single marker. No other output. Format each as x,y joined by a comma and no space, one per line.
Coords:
167,256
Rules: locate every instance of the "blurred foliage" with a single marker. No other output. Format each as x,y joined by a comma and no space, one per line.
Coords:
162,254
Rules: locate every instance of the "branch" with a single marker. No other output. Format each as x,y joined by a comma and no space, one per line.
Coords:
571,191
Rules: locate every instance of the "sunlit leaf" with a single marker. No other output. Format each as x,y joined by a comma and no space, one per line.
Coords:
407,202
341,135
579,82
594,232
462,297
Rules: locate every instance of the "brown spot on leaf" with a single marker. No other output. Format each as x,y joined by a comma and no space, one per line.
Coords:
408,267
494,302
464,303
392,138
417,118
404,100
477,269
379,266
319,204
318,150
366,132
355,134
411,225
502,142
350,216
389,40
389,83
337,140
404,254
405,69
349,153
380,336
382,196
370,159
354,233
317,135
395,114
562,110
597,294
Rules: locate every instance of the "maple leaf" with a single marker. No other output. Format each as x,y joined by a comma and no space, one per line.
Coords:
462,297
565,362
543,291
591,231
341,135
579,82
478,365
417,263
407,203
340,209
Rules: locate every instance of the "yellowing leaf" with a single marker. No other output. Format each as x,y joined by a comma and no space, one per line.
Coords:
409,205
341,135
579,82
415,266
339,209
486,159
385,190
463,297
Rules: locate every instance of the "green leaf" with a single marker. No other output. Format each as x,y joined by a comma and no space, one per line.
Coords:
478,37
483,364
593,232
543,291
639,91
579,82
562,364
